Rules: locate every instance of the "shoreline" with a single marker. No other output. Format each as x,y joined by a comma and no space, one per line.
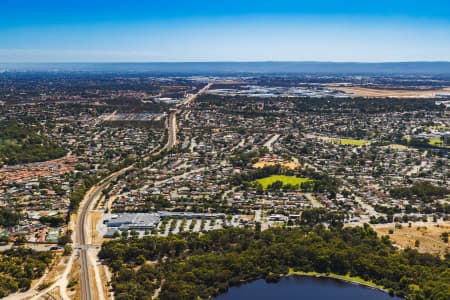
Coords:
345,278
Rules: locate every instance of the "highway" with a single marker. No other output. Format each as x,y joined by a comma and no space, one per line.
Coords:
172,128
189,100
91,196
83,232
95,192
172,118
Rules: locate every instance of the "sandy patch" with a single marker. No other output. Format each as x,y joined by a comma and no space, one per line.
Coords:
397,147
94,218
55,294
286,164
74,291
428,235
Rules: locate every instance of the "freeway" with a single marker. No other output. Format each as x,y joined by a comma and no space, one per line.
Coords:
172,128
94,194
86,292
172,118
189,100
83,232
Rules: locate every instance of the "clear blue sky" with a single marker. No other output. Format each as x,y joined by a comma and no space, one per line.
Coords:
224,30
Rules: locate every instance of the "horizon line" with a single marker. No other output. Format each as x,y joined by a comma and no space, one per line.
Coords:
230,61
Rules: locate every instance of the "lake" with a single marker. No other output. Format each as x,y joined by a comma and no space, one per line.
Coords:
303,287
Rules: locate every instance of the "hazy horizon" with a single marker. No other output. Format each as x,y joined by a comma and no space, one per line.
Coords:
255,67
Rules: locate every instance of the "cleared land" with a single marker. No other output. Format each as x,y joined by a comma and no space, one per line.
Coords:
428,235
349,142
368,92
285,164
397,147
286,180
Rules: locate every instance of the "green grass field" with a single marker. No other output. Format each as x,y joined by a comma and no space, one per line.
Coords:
436,142
349,142
292,180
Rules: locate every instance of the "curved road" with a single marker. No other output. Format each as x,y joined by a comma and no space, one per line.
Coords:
82,231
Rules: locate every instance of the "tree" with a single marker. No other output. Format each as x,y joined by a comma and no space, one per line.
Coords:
20,240
65,239
67,250
444,237
4,239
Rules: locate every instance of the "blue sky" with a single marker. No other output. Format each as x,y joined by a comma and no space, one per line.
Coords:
224,30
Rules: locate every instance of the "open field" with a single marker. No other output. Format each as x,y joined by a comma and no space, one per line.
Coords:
351,142
94,218
292,180
437,143
368,92
428,236
397,147
285,164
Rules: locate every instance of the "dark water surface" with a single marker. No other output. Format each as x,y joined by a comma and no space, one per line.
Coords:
303,288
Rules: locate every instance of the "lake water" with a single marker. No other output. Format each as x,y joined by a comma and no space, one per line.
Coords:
303,288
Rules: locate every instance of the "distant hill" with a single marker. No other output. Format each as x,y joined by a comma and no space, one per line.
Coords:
426,68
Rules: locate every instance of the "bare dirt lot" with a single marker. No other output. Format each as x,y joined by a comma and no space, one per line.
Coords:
428,235
368,92
286,164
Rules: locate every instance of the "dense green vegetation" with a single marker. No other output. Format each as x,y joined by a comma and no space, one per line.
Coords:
18,266
193,265
314,216
9,217
53,221
425,191
79,192
23,144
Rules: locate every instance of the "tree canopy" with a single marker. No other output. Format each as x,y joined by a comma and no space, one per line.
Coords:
192,265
